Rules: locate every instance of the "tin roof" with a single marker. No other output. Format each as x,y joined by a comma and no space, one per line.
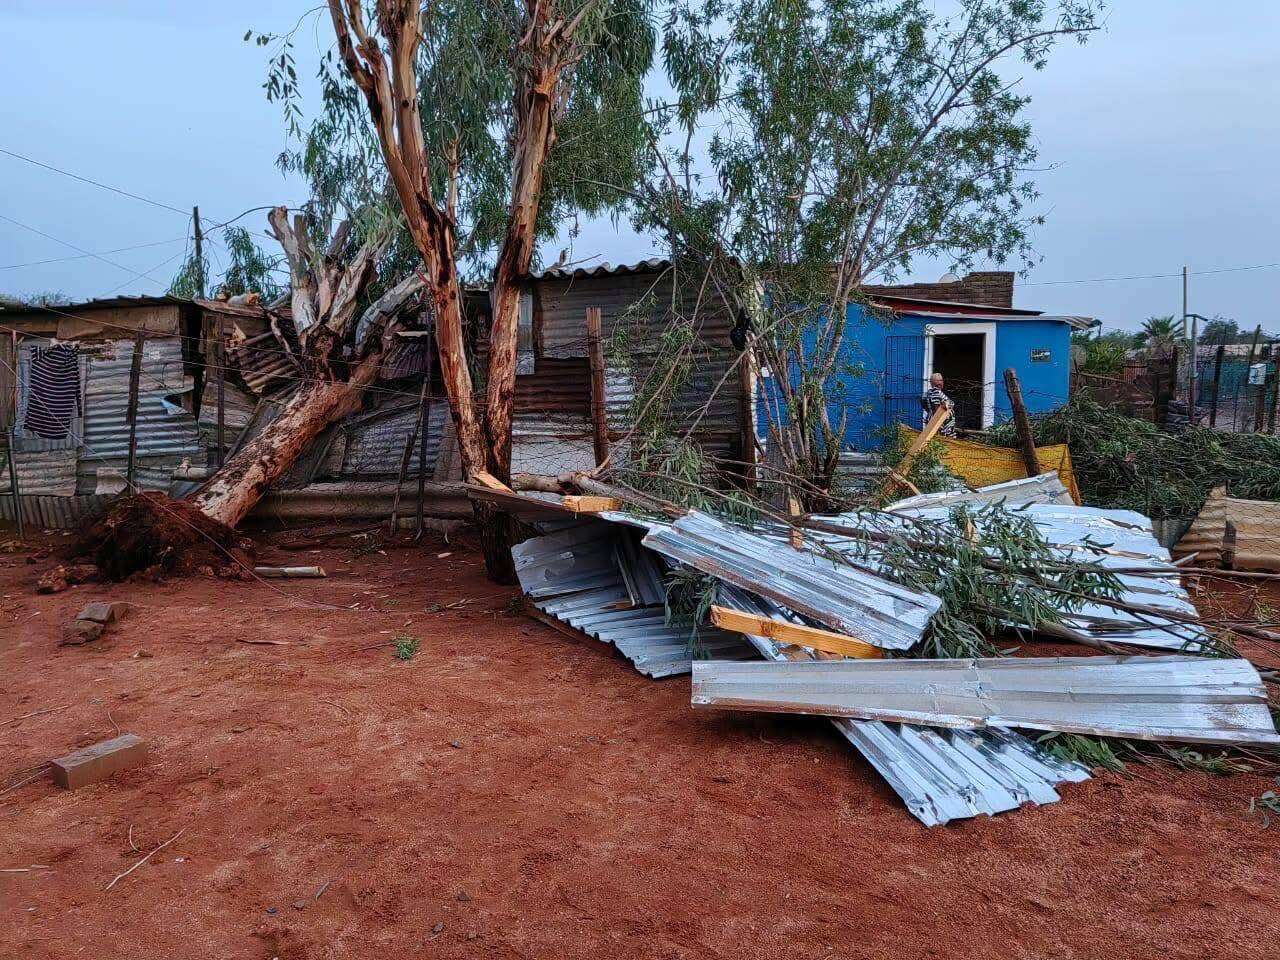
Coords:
102,303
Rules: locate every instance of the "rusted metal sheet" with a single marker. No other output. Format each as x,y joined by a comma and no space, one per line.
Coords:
262,362
864,606
1187,699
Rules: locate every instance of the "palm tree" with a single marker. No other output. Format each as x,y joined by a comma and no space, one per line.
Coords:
1159,333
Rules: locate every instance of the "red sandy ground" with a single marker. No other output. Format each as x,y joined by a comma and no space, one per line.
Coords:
514,793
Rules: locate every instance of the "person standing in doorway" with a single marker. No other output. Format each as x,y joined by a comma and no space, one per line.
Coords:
934,398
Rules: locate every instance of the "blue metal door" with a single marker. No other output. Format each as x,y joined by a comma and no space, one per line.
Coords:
903,381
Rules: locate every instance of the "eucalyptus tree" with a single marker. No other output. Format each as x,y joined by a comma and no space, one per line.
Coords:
851,138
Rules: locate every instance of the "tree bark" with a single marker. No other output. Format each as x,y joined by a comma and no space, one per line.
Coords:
264,461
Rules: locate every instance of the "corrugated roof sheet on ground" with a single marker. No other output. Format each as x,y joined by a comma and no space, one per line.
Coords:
864,606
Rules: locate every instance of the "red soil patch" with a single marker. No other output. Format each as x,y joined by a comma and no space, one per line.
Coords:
513,793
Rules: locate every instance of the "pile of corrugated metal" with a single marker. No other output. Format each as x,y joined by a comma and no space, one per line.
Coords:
803,629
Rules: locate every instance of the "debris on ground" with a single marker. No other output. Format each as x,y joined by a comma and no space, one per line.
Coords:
99,761
846,605
287,573
155,536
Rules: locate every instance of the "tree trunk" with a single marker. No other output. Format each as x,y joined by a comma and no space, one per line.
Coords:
264,461
536,134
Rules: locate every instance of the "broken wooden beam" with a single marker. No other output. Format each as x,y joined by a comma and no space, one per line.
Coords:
742,622
591,504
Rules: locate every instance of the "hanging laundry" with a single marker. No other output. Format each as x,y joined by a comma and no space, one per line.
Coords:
53,391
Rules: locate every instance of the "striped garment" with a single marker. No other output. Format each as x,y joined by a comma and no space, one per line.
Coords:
53,391
931,401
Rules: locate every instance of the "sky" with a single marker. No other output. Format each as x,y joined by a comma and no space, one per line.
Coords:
1161,136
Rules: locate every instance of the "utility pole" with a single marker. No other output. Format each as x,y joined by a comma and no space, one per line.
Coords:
1190,337
195,222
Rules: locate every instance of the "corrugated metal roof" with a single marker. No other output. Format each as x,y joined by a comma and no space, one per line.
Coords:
606,269
101,303
941,775
588,577
868,607
1185,699
1045,488
262,362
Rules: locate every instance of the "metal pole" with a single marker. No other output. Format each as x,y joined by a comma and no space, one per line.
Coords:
1185,275
1193,374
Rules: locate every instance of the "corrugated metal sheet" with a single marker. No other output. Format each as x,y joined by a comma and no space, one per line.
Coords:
551,444
1045,488
373,443
53,513
1241,534
164,428
652,265
41,472
262,362
586,577
1111,538
1187,699
941,775
846,599
639,302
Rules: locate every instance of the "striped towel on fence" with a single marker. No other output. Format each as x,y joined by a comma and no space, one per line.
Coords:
53,391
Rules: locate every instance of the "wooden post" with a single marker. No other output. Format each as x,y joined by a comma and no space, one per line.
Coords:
222,392
131,412
1260,403
1274,376
1022,423
424,418
599,410
406,457
1217,384
13,488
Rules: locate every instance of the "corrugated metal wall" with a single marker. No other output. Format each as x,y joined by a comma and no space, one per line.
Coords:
560,312
374,444
167,434
42,472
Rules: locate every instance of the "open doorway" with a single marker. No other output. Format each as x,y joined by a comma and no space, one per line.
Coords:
965,356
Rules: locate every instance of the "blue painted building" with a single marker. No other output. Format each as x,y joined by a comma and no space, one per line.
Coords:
890,351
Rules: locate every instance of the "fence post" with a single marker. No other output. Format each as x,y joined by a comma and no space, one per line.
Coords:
599,410
13,489
131,412
1022,422
1217,384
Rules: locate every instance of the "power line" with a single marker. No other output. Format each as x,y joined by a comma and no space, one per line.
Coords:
104,186
83,256
87,253
1147,276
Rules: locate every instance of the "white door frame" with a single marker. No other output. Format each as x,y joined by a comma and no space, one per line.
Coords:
988,331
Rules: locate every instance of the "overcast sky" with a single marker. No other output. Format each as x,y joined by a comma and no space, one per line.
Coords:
1163,133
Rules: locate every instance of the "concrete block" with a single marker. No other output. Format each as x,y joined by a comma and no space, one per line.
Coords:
105,611
99,761
81,631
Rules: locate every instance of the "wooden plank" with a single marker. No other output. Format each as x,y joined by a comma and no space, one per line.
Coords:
741,622
589,504
903,470
487,479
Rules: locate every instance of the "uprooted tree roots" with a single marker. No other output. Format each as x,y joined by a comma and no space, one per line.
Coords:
155,536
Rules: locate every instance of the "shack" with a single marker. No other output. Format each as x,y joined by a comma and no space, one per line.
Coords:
965,329
65,384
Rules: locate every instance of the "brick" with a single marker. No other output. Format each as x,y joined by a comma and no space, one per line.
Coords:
81,631
104,611
99,761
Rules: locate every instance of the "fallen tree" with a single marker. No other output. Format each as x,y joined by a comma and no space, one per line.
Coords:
320,333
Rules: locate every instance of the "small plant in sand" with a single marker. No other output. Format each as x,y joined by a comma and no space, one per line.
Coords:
406,646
